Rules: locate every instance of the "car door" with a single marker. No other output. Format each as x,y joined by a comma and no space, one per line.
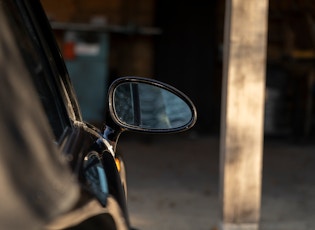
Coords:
36,183
75,139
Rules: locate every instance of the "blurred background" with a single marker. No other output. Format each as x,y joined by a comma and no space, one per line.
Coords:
181,43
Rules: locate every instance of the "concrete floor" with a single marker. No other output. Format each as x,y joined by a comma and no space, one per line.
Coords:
173,183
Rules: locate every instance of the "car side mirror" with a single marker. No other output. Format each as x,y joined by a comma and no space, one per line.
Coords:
147,105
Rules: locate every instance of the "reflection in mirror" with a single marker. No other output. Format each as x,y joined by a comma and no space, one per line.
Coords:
150,107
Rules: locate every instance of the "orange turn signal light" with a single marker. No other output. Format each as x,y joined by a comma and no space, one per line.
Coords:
117,161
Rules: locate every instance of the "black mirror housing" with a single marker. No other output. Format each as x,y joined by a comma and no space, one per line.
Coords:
146,105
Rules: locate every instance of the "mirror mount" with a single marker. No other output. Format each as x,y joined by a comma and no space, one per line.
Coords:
112,135
111,131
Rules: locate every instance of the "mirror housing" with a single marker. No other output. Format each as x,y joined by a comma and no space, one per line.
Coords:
146,105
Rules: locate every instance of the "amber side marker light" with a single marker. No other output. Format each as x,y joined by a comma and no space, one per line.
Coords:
117,161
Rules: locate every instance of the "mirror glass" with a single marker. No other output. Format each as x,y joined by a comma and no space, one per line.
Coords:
150,107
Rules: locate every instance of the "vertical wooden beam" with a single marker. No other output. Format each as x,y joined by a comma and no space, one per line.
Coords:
242,113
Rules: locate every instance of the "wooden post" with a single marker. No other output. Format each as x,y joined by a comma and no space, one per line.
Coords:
242,113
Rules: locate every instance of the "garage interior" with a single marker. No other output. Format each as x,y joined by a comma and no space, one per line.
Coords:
181,43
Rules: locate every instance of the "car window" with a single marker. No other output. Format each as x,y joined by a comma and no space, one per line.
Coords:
54,57
39,69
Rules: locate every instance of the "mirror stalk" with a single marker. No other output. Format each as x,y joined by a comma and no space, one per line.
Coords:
112,136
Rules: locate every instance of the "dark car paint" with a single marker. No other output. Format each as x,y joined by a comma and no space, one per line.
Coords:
78,139
31,192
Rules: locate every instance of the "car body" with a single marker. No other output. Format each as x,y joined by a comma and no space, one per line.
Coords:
89,153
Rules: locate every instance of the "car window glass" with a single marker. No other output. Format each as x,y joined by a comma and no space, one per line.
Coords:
46,38
40,72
